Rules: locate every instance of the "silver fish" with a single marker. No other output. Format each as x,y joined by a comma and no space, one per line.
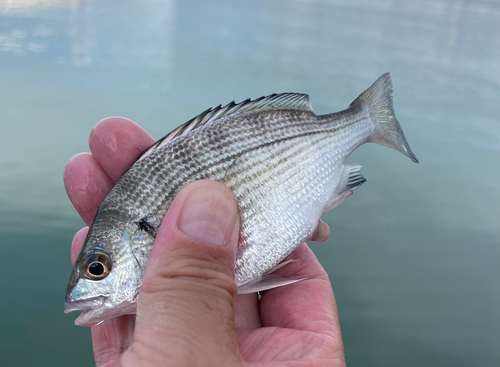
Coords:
284,164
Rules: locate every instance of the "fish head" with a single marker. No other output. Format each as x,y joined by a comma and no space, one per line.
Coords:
107,275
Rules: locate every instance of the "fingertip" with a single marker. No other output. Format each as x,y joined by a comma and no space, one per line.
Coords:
321,233
208,214
86,184
77,243
116,142
208,193
206,184
177,254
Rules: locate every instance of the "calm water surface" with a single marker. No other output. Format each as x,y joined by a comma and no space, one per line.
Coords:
414,254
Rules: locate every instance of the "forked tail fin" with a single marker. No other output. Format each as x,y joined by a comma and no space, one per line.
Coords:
388,132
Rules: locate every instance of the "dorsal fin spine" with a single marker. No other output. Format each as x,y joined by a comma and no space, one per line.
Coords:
283,101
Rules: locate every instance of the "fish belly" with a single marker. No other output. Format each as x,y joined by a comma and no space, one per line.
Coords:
282,190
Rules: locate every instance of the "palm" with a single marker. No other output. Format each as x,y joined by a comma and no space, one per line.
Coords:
296,325
272,346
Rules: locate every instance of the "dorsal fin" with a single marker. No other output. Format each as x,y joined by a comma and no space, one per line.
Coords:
282,101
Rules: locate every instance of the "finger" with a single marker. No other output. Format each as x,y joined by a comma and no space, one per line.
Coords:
86,184
321,233
185,310
77,243
306,305
247,314
116,142
111,338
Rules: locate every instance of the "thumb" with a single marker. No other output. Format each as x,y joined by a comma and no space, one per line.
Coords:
185,310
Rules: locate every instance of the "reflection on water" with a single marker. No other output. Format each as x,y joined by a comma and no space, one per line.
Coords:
142,34
413,255
81,30
28,7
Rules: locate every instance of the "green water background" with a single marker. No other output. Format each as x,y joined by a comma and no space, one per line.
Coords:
413,255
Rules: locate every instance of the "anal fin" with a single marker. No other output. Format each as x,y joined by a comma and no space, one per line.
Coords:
279,266
352,178
265,283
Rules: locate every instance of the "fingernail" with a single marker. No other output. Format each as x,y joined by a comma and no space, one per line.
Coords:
208,216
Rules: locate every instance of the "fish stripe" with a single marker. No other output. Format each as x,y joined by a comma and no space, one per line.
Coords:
289,101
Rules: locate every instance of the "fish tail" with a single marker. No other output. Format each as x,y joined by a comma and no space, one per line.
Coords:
378,100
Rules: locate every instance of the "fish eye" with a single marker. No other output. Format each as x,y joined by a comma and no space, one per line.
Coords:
96,265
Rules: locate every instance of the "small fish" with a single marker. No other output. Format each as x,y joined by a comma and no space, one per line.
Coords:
283,163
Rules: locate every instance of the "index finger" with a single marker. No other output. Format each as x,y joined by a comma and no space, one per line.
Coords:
115,143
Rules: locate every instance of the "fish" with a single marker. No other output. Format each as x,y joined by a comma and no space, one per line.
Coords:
283,163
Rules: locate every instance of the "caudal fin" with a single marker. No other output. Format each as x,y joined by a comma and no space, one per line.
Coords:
388,132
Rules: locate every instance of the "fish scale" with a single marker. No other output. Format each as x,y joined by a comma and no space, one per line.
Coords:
150,186
284,164
289,204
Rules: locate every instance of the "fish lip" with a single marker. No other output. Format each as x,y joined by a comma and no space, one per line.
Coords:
88,318
94,316
83,305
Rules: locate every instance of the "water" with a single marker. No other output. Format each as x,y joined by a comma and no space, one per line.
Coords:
414,253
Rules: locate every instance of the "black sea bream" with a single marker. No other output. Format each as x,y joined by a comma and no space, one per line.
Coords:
284,164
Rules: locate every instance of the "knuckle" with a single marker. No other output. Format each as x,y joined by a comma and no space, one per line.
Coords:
200,275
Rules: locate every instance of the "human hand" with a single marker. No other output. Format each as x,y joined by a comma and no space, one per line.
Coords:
187,311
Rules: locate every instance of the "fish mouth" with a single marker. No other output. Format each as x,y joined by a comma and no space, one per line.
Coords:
83,305
89,318
95,311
